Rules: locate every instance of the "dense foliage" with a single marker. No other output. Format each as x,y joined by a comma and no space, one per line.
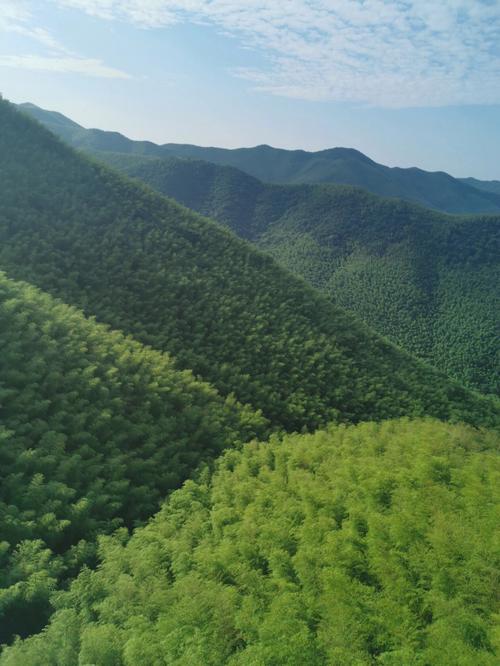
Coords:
95,430
361,544
427,281
369,544
337,165
185,285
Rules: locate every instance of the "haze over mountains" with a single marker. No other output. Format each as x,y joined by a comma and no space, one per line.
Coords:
436,190
485,185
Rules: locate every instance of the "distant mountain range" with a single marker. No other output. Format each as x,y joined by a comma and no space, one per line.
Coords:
483,185
437,190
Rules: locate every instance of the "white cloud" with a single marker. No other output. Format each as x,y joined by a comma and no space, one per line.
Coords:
16,18
12,14
381,52
87,66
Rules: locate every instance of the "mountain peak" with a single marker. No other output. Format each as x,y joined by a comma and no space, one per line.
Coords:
341,152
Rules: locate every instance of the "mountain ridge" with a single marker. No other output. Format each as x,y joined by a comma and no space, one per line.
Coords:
486,185
348,166
184,284
358,247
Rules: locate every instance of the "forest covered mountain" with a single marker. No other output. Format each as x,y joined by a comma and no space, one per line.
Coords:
183,284
250,397
358,544
346,166
95,431
426,280
361,545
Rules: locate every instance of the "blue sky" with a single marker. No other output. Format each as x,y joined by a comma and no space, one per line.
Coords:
408,82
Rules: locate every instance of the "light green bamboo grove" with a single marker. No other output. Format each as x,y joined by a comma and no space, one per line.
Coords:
95,430
361,545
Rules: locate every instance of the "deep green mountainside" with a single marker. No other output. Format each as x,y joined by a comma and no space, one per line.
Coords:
95,430
426,280
372,544
183,284
336,165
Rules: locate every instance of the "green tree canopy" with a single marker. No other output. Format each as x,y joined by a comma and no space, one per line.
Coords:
361,545
95,430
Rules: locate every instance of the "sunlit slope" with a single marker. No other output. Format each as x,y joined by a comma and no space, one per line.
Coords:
185,285
426,280
355,546
95,430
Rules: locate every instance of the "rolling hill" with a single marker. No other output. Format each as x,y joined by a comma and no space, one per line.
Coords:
426,280
95,430
354,546
183,284
346,166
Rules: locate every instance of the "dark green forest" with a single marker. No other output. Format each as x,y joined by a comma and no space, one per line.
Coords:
344,166
95,430
361,545
427,281
183,284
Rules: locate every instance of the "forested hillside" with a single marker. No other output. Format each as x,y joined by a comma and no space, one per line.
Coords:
185,285
336,165
372,544
95,430
426,280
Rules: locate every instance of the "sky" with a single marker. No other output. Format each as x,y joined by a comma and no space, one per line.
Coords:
407,82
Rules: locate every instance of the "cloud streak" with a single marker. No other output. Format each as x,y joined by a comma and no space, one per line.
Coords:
392,53
64,65
16,18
